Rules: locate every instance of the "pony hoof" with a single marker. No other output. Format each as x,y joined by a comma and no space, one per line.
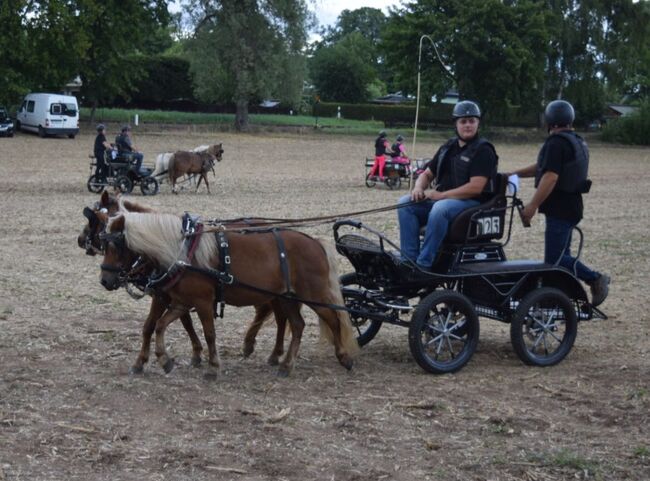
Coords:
196,361
248,349
135,370
168,366
283,371
273,361
346,362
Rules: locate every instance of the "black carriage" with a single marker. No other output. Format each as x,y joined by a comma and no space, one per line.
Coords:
472,278
122,174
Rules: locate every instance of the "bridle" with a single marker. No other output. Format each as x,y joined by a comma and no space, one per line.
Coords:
131,278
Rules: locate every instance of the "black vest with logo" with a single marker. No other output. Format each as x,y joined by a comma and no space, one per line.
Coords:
458,165
573,178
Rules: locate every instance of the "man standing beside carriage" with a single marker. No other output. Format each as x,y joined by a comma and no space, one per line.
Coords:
560,180
99,151
464,169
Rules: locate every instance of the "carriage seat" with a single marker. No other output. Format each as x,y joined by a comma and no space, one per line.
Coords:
482,223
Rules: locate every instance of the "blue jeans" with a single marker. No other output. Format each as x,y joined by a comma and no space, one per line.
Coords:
436,216
136,157
557,235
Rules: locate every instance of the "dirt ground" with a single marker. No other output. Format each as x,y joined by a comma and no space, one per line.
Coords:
70,411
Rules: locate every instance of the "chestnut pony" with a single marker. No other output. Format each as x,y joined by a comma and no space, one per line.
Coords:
258,279
89,240
183,162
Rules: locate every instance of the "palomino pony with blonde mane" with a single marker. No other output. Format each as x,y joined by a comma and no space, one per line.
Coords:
253,277
89,240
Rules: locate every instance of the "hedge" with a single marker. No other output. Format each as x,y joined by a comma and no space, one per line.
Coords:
404,114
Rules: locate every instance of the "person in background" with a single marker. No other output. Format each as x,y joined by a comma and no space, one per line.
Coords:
398,152
99,151
127,150
464,169
381,149
560,180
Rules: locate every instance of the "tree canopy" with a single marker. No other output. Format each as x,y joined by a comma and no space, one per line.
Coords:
47,44
245,50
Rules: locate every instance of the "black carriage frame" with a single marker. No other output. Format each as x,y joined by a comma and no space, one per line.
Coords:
472,268
122,175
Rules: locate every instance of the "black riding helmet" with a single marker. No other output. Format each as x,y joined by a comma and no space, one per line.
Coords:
382,134
399,138
100,127
466,108
559,113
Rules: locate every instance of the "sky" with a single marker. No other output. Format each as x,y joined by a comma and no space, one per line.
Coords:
327,11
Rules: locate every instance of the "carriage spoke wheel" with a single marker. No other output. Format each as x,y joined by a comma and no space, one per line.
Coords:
444,331
94,185
124,184
370,182
149,186
393,181
544,327
366,328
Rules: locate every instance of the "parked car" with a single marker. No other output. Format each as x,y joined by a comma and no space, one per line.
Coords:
6,123
49,114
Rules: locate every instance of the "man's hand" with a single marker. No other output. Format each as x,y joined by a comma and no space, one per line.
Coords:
417,194
528,213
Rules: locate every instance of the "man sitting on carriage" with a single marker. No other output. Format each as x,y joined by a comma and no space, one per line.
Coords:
127,151
464,169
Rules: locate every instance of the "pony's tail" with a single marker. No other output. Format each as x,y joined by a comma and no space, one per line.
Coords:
347,332
170,169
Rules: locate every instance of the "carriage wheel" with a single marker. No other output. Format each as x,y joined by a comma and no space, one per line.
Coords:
370,182
544,327
444,331
149,186
94,185
366,328
124,184
393,182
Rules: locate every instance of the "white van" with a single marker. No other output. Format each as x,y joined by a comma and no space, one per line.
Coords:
49,114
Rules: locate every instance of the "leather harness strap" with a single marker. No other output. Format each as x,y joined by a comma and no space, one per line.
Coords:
224,264
284,266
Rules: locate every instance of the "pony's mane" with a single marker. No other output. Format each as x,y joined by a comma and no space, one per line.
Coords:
126,205
159,237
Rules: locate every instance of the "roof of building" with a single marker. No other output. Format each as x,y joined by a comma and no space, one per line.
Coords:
623,110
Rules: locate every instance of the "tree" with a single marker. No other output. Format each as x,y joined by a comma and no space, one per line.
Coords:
244,50
598,47
363,29
343,71
118,31
491,48
41,45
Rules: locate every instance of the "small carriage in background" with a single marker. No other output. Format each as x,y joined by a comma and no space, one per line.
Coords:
395,171
471,278
121,173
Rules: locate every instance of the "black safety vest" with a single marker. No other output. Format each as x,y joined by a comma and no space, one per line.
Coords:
458,165
395,150
380,147
573,177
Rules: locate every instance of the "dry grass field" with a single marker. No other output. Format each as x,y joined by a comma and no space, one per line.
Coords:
70,411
